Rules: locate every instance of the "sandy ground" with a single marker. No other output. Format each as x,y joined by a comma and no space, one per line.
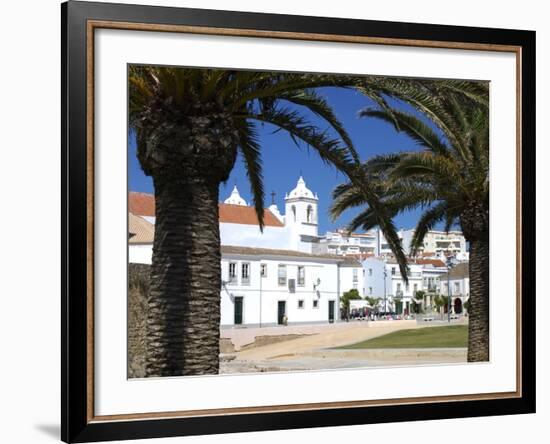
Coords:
246,336
316,350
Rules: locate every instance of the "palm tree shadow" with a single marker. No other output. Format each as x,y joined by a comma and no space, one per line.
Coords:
51,430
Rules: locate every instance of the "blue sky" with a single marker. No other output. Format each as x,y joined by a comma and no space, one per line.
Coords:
283,161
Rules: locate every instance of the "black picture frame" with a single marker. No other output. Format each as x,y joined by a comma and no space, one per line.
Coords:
76,423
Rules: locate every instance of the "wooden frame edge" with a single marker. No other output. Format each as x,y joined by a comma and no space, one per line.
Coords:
94,24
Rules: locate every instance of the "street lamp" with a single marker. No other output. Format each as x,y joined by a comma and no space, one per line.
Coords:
449,266
261,280
385,299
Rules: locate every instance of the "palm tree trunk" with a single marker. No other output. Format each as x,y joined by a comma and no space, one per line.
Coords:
183,316
478,311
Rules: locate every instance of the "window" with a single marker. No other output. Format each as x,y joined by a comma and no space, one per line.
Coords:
370,271
370,290
315,303
245,273
263,270
294,212
309,214
363,272
282,275
355,275
415,288
398,287
457,287
407,287
301,275
393,271
232,272
300,303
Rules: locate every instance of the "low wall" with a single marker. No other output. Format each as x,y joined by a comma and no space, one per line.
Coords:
138,288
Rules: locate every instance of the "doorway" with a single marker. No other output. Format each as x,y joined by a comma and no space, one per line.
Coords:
238,316
458,306
331,305
281,312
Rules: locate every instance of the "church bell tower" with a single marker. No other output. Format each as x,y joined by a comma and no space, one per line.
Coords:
301,210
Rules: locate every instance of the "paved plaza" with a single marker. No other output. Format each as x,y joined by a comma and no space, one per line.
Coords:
315,347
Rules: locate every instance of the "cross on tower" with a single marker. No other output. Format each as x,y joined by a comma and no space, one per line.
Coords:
273,198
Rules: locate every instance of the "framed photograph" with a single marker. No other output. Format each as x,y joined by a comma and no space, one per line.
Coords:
276,221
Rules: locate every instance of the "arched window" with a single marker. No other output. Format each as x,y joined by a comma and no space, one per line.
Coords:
309,214
294,212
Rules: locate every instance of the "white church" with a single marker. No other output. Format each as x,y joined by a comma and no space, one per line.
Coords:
270,277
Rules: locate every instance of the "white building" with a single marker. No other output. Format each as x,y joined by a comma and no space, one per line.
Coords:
432,272
373,281
342,242
270,276
141,234
403,293
351,276
458,286
436,243
264,287
383,280
451,243
288,273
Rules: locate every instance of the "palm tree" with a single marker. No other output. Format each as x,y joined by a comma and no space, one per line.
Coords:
448,178
373,302
190,124
420,296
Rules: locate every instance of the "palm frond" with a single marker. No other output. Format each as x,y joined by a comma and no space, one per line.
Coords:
251,151
412,126
287,82
425,166
318,105
426,223
299,128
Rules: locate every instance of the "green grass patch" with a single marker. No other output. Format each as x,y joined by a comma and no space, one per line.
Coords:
426,337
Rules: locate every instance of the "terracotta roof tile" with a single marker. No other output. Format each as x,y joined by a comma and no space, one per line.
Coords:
459,271
253,251
238,214
143,204
412,261
350,261
139,230
434,262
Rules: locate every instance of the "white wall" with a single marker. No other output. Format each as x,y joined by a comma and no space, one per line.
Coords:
376,279
263,294
140,254
30,390
251,236
459,287
346,280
